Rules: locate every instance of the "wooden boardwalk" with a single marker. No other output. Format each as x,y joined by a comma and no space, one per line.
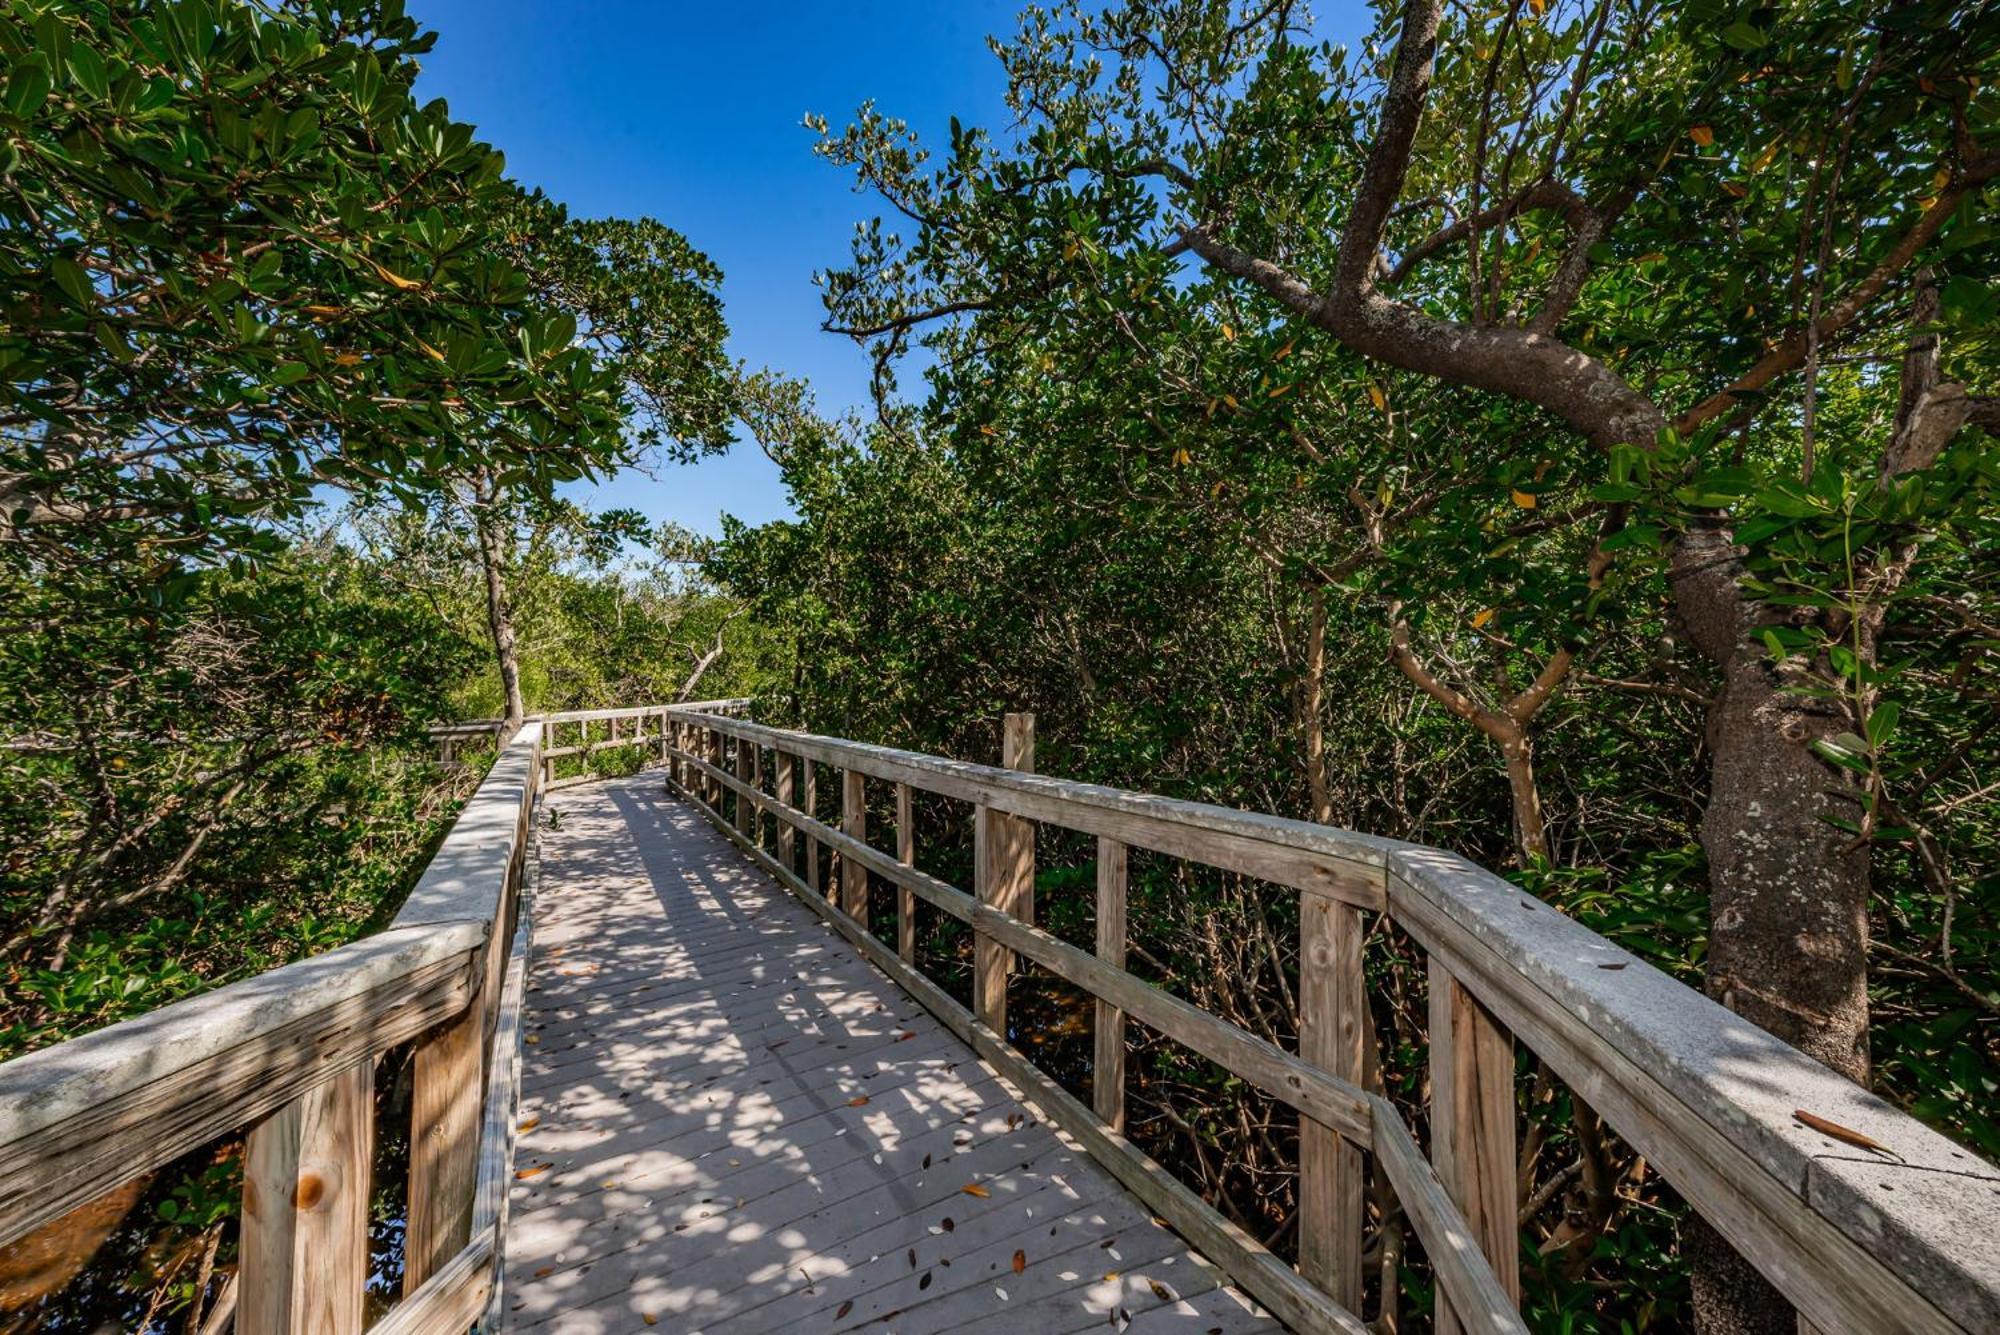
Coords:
733,1124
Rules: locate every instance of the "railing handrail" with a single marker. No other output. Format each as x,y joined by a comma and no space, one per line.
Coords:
1908,1234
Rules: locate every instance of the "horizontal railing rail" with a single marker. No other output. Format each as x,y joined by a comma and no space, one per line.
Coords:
1890,1226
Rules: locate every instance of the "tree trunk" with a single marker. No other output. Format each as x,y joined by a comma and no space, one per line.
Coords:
1788,891
499,610
1531,841
1311,695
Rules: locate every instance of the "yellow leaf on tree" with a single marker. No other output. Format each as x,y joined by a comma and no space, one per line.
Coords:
433,352
1228,333
1069,251
1229,399
1182,459
1481,618
347,359
1281,390
1652,257
1525,499
1702,134
1283,353
1378,398
395,279
322,310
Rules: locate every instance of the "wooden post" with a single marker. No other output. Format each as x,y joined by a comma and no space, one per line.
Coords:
1332,1029
711,784
1107,1072
812,809
853,877
1472,1127
906,853
787,837
1003,859
305,1210
444,1142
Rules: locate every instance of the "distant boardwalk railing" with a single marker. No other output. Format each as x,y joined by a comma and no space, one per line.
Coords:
1890,1227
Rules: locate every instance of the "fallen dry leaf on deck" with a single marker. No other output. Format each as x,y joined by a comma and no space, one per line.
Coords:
1839,1132
1020,1261
525,1173
974,1189
857,1101
528,1124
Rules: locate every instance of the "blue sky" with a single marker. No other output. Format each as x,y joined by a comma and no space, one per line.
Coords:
690,113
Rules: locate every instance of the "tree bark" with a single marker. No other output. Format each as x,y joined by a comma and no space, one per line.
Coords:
493,554
1311,695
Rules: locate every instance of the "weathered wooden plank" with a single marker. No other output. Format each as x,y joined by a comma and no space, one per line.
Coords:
445,1091
787,839
1333,1011
1107,1072
1003,860
1481,1301
305,1210
906,854
467,879
451,1300
1472,1128
812,809
852,873
82,1117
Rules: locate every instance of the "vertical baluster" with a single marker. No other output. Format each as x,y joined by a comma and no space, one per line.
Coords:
1004,877
787,837
746,810
906,853
812,809
1472,1126
305,1210
853,877
1332,1030
1107,1078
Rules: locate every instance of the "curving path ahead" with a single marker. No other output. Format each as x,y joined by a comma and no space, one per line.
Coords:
733,1124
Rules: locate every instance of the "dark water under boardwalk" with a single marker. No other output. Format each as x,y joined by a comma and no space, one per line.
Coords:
736,1125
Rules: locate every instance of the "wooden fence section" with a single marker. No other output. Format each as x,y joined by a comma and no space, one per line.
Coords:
289,1057
1904,1237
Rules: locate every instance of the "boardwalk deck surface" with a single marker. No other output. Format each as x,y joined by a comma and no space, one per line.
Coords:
746,1128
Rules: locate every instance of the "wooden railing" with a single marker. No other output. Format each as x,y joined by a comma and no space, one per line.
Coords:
1887,1226
1903,1236
289,1058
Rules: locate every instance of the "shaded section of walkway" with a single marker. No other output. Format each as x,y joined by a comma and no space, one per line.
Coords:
733,1124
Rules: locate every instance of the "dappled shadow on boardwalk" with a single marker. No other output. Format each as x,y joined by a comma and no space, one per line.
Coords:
735,1125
